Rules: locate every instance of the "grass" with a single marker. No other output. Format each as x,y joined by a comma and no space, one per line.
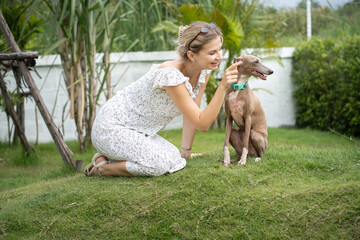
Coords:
307,186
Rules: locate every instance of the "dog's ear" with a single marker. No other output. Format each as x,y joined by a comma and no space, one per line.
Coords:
238,59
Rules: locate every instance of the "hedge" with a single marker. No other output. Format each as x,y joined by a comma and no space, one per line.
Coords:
326,74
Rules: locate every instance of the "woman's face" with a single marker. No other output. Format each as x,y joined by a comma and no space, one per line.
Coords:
211,54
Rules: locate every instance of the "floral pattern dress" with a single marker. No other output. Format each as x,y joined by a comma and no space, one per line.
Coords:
125,127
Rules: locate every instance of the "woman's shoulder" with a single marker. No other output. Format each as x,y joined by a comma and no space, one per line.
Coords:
172,68
170,64
168,74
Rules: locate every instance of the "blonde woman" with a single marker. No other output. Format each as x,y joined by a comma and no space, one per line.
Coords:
125,129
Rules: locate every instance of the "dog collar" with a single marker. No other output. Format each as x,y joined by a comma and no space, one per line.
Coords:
239,86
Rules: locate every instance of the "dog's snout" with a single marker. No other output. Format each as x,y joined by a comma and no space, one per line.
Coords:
271,71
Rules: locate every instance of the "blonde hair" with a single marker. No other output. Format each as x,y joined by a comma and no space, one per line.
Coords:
189,32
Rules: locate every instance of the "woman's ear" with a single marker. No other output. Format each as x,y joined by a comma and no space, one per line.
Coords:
190,55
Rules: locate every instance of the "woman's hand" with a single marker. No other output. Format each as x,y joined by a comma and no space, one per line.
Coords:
202,120
231,75
188,155
185,153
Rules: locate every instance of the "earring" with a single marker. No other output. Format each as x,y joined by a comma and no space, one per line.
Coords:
194,62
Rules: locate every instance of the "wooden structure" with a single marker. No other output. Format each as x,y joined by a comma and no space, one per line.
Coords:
23,61
18,122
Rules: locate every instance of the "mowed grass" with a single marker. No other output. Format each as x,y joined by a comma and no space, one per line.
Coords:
307,186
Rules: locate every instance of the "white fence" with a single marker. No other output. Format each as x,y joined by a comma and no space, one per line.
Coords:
277,101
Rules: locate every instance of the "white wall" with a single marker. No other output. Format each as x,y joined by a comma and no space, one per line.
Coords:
128,67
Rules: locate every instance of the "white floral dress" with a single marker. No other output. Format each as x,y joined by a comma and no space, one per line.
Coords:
125,127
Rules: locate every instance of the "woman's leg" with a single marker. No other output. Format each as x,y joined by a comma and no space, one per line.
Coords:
144,155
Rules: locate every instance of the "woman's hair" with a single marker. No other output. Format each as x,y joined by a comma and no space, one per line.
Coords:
189,32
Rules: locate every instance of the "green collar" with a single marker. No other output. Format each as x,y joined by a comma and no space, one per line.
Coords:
239,86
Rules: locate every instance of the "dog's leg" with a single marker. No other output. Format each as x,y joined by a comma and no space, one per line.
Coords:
246,139
226,142
260,143
236,142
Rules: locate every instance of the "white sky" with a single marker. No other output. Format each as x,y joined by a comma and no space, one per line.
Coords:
294,3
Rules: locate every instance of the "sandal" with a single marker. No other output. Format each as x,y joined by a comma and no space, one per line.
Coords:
95,165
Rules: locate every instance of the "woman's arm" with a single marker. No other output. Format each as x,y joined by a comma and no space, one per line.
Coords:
202,120
188,131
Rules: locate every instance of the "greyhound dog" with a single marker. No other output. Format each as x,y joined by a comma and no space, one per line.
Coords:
243,107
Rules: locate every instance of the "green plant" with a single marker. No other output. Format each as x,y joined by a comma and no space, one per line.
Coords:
83,29
229,15
327,77
141,16
327,22
24,25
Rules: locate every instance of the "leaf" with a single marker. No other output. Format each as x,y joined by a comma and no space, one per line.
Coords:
72,12
193,12
54,46
165,25
76,82
63,11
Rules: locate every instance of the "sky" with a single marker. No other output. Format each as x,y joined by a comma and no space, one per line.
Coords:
293,3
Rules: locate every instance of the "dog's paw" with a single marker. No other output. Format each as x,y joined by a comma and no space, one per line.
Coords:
243,157
226,156
227,161
257,159
242,162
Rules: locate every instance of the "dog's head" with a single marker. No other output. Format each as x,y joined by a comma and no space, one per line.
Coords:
252,66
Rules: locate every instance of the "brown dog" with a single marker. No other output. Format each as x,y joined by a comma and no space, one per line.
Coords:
243,107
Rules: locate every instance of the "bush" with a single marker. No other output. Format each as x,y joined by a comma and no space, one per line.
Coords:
327,78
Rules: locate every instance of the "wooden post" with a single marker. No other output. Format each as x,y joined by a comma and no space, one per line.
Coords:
20,106
14,117
62,147
18,56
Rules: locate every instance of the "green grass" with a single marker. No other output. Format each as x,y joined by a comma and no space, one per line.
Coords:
307,186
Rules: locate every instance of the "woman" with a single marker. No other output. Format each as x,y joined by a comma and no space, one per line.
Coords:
124,131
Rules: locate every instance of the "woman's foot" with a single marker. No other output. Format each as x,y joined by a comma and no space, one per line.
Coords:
96,162
96,171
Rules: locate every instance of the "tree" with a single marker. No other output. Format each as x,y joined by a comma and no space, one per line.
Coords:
84,28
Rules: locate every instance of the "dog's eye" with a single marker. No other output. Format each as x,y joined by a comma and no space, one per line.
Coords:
257,61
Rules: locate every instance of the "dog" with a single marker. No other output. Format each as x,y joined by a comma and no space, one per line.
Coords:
243,107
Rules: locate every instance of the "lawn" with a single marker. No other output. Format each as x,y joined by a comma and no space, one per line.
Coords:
307,186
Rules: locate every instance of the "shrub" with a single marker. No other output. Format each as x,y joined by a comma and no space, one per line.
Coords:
327,78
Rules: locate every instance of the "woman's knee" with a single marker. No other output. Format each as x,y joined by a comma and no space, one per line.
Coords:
172,164
159,168
141,170
156,168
